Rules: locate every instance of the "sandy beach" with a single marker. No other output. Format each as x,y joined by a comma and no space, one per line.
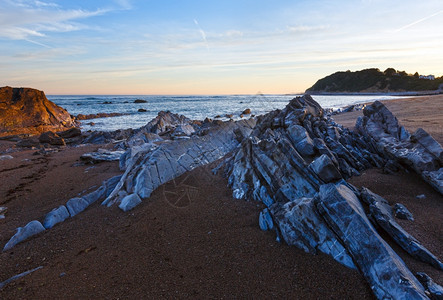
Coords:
190,239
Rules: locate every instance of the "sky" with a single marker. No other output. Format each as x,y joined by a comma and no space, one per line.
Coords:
211,47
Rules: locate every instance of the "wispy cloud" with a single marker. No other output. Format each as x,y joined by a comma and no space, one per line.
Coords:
306,28
21,20
418,21
203,34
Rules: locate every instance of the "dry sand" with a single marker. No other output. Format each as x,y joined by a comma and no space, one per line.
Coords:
191,239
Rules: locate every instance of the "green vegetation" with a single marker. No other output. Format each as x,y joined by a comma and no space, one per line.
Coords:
374,81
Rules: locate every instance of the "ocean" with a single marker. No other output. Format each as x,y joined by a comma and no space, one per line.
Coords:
193,107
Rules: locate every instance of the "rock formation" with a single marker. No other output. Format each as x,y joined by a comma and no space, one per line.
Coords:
26,110
419,151
295,161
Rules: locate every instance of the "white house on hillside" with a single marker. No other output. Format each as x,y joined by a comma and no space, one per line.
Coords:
429,77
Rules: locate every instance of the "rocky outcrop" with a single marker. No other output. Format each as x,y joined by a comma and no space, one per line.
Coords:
99,115
26,110
294,161
151,165
419,151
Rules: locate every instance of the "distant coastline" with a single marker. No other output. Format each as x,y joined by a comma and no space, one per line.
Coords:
400,94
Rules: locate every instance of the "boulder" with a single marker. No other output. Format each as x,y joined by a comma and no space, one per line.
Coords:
386,273
26,110
429,143
57,215
140,101
51,138
401,212
325,169
28,143
246,111
23,233
70,133
434,290
129,202
102,155
301,226
302,142
76,205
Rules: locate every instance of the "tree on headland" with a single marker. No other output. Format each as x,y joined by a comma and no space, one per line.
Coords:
390,72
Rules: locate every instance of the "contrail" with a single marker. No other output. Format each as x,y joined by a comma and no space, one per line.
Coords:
203,34
418,21
37,43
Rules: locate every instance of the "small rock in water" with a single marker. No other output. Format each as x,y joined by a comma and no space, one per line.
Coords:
142,110
140,101
402,212
246,111
421,196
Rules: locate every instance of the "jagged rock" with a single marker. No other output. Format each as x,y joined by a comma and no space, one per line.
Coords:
402,212
28,143
26,110
301,140
76,205
381,212
429,143
265,220
70,133
51,138
149,168
57,215
129,202
102,155
98,194
388,276
325,169
99,115
435,290
301,226
419,152
183,130
23,233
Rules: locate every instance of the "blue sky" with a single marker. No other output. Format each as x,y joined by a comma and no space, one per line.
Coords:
211,47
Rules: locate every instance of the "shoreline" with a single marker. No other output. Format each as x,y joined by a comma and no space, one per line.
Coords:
399,94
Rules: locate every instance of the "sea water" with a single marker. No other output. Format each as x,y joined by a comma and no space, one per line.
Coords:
193,107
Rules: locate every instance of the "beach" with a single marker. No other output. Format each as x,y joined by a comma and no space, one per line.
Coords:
206,245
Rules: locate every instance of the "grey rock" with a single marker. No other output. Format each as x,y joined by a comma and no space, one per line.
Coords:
402,212
382,214
325,169
301,140
96,195
265,220
429,143
55,216
51,138
435,290
23,233
386,273
102,155
129,202
421,196
5,157
419,152
76,205
301,226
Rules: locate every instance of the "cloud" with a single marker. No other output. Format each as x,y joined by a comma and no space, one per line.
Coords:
124,4
20,20
305,28
203,34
